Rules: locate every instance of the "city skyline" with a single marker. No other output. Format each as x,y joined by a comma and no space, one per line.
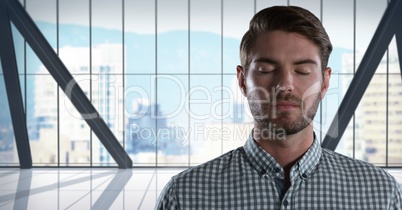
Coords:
108,34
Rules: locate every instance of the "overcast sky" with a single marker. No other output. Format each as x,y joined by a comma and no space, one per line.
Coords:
206,15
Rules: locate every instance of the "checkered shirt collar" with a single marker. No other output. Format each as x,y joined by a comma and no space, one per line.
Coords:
264,163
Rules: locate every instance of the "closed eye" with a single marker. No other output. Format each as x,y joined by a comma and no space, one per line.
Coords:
303,72
266,70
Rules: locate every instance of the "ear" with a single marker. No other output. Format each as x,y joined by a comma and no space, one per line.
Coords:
241,79
325,84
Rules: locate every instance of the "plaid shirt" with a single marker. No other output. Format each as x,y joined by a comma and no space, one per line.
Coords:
246,178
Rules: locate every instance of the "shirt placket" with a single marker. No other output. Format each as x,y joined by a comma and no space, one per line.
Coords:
297,176
273,174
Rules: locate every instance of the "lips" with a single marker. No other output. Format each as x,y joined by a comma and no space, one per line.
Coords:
284,106
286,103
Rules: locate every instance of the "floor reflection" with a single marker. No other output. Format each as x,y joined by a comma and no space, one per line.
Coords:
88,188
82,189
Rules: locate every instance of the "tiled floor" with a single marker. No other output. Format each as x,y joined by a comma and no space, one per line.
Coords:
82,188
87,188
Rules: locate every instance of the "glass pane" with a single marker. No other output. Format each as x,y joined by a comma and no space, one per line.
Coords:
394,108
74,131
74,52
75,139
140,36
199,21
107,14
33,63
236,17
312,5
347,145
43,124
108,100
23,89
19,47
237,123
74,13
205,111
107,66
205,37
368,16
140,121
234,108
172,37
107,49
42,117
172,120
43,12
8,156
394,119
262,4
371,121
340,30
328,108
74,36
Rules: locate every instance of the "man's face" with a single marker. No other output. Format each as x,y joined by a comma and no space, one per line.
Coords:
284,83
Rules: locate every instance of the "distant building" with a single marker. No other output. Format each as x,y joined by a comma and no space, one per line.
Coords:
106,68
148,135
371,125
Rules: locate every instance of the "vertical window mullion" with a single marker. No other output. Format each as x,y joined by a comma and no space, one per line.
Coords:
156,81
25,74
321,131
387,107
90,77
58,87
354,71
123,72
222,68
188,70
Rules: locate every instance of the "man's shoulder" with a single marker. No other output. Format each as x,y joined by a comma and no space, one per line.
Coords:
214,168
355,168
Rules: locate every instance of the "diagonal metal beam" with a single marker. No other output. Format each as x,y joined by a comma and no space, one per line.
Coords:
389,25
13,88
65,80
398,37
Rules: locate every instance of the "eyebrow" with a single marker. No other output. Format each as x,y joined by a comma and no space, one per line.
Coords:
266,60
298,62
305,61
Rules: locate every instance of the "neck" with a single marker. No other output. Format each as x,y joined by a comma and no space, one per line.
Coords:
288,150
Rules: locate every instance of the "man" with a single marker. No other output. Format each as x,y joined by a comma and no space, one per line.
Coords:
284,75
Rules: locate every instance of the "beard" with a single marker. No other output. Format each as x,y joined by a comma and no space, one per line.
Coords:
273,124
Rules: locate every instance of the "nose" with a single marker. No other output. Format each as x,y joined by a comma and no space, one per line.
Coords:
285,82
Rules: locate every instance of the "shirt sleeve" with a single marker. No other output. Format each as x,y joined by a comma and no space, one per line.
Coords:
397,201
167,199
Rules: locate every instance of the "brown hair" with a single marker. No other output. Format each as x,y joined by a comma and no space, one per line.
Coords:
289,19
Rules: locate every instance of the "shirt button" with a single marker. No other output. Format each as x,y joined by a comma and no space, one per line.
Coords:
304,176
285,202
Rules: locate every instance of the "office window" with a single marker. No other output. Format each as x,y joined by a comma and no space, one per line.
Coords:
75,53
394,99
7,141
162,75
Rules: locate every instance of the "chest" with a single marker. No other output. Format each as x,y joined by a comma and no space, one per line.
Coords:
252,191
